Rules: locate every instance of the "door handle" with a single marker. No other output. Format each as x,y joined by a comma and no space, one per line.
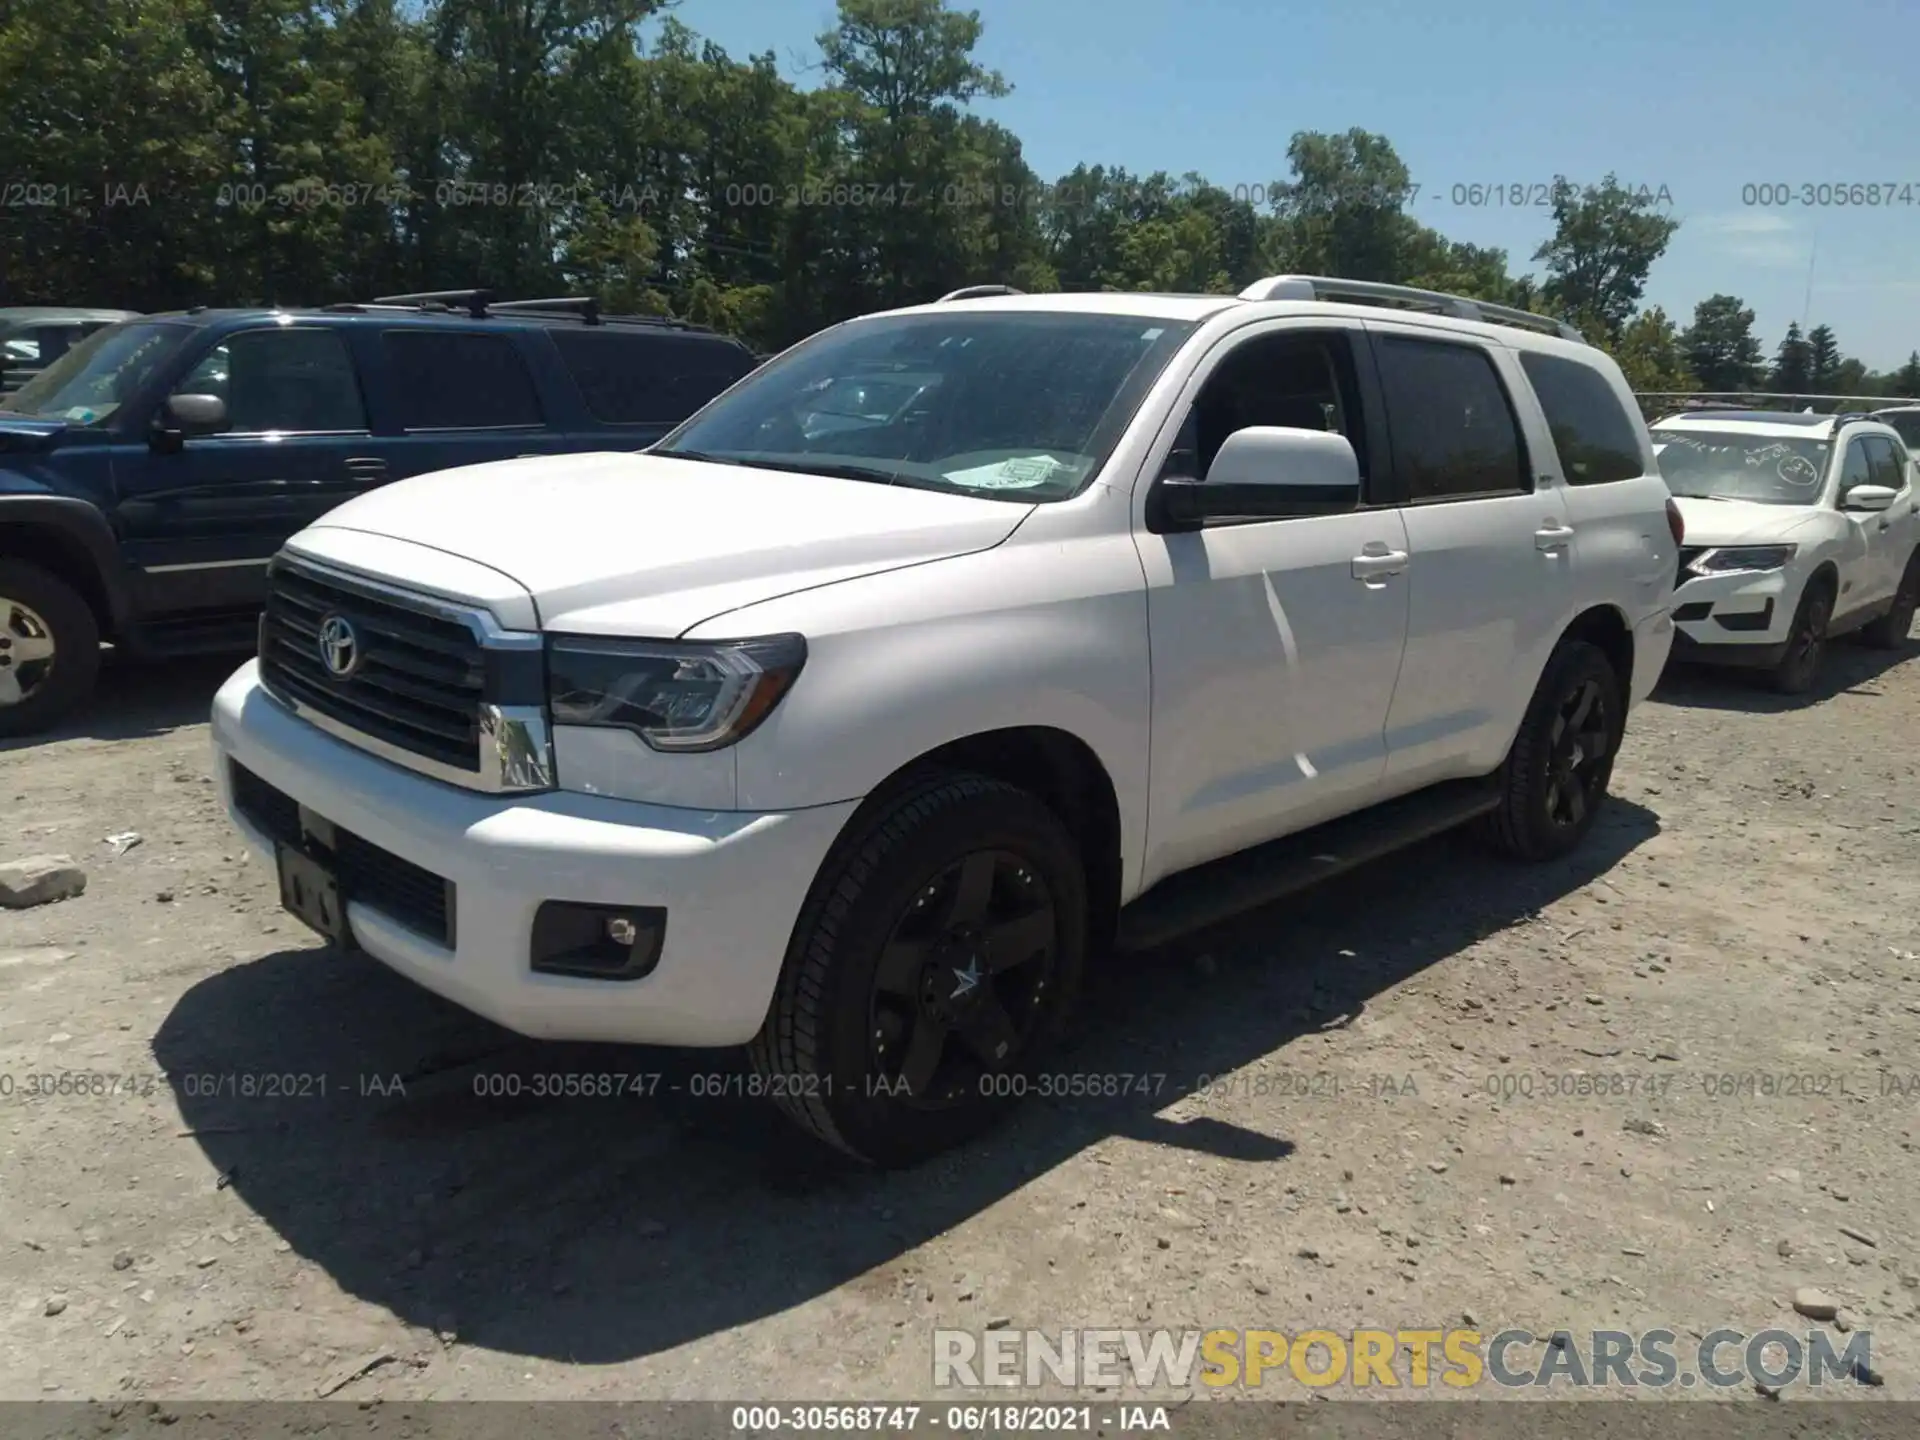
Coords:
367,467
1375,564
1552,536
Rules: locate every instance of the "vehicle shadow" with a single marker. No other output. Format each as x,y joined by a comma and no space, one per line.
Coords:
395,1156
137,698
1848,668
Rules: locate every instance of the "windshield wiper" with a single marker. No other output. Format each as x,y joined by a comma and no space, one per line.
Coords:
841,470
700,455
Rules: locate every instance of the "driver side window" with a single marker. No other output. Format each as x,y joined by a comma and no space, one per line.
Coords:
1855,471
287,380
1293,379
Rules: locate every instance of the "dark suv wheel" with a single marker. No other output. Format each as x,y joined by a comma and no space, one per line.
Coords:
1555,778
1890,631
49,648
931,967
1806,641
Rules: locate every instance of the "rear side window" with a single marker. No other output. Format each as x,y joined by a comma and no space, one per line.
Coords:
458,380
640,377
1908,426
1596,441
1454,434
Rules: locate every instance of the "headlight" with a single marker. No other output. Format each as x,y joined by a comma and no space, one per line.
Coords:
672,694
1742,557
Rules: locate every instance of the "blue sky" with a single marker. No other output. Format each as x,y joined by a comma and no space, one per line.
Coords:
1701,97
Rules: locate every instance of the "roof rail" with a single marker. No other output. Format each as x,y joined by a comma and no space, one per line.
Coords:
977,292
1408,297
586,306
474,300
1746,397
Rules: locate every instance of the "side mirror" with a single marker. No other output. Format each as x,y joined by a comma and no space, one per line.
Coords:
1869,497
1266,472
185,415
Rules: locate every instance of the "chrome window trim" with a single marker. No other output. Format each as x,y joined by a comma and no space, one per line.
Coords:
515,746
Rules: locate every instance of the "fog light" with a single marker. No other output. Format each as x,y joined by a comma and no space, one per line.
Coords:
597,942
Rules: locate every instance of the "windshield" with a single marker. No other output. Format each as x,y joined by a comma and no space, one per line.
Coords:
1021,405
1727,465
92,380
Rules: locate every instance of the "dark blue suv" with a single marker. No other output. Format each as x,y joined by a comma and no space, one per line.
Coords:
149,474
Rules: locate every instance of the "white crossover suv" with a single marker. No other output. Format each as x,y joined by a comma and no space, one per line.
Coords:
859,742
1798,527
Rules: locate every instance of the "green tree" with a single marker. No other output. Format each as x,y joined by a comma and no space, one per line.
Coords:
1342,211
1906,380
1793,364
1720,345
1823,360
1605,240
1650,350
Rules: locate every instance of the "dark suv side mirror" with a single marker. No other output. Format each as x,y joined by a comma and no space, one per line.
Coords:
184,415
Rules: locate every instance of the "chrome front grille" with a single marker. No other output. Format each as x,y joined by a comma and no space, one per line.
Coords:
425,683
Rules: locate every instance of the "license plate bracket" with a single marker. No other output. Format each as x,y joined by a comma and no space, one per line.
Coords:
311,894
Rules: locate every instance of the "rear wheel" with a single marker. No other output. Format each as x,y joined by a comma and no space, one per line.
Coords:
1806,641
930,970
49,648
1556,776
1890,631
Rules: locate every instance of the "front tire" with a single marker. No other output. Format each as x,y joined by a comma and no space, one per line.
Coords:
932,966
1890,631
1806,642
49,648
1555,778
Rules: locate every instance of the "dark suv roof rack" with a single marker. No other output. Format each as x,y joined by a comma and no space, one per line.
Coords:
476,301
585,306
480,304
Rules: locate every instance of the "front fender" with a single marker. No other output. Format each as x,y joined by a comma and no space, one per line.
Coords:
903,663
58,530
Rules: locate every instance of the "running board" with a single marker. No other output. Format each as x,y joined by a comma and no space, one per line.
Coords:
1235,884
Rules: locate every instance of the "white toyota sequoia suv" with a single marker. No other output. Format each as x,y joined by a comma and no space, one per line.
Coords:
1798,527
954,647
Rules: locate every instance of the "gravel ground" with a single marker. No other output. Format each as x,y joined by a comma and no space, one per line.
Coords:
1393,1142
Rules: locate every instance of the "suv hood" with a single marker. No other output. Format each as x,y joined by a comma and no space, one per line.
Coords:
644,545
1738,522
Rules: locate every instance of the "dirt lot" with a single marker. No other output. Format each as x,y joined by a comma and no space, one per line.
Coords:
1747,909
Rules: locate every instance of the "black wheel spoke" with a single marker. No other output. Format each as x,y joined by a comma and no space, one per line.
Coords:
972,891
990,1032
901,964
1575,796
1016,941
1584,704
925,1046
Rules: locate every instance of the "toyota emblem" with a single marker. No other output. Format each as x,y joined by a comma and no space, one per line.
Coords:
339,646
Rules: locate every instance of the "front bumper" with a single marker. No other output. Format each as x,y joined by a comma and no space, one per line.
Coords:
731,883
1741,618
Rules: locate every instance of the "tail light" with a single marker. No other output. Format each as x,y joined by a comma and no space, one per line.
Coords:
1676,522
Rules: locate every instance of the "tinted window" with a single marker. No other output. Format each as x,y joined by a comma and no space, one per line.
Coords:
1884,461
1300,382
280,379
1596,441
641,378
1018,405
1907,424
457,380
1856,470
1453,431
